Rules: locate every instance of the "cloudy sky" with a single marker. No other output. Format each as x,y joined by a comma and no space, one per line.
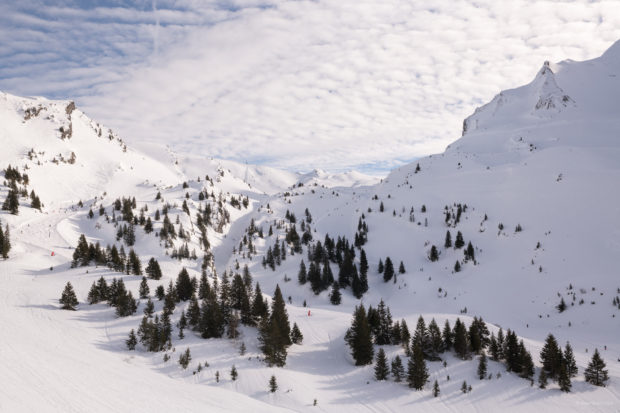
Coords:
331,84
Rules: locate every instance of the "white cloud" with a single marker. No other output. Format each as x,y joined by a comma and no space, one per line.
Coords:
331,84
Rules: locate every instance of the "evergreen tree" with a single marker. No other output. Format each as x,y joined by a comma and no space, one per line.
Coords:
259,307
457,266
469,253
551,357
527,364
160,293
153,270
144,288
417,374
381,366
380,267
363,265
274,334
68,299
388,271
446,336
211,324
398,371
405,336
149,308
233,373
184,286
273,384
93,294
131,341
401,268
460,344
133,265
459,242
11,203
596,373
433,254
296,336
436,390
335,297
569,361
302,276
185,358
482,366
564,379
542,379
512,353
436,342
448,242
5,242
464,387
359,338
562,306
382,330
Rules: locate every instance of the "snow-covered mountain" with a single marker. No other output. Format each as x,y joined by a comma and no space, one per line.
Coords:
532,184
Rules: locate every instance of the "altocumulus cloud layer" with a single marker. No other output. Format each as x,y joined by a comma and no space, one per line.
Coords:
332,84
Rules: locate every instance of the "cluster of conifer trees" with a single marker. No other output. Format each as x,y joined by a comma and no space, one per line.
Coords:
119,261
11,203
116,294
217,308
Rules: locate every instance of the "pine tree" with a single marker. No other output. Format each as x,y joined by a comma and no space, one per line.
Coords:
5,242
233,373
401,268
562,306
436,390
596,373
398,371
149,308
335,297
464,387
433,255
153,270
459,242
274,334
381,366
569,361
457,266
185,358
448,242
551,357
296,336
302,276
446,336
11,203
564,379
144,288
460,344
184,286
359,338
380,267
482,366
68,299
417,374
131,341
388,271
542,379
273,384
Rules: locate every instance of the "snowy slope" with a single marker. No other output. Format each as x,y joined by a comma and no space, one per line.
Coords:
544,156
